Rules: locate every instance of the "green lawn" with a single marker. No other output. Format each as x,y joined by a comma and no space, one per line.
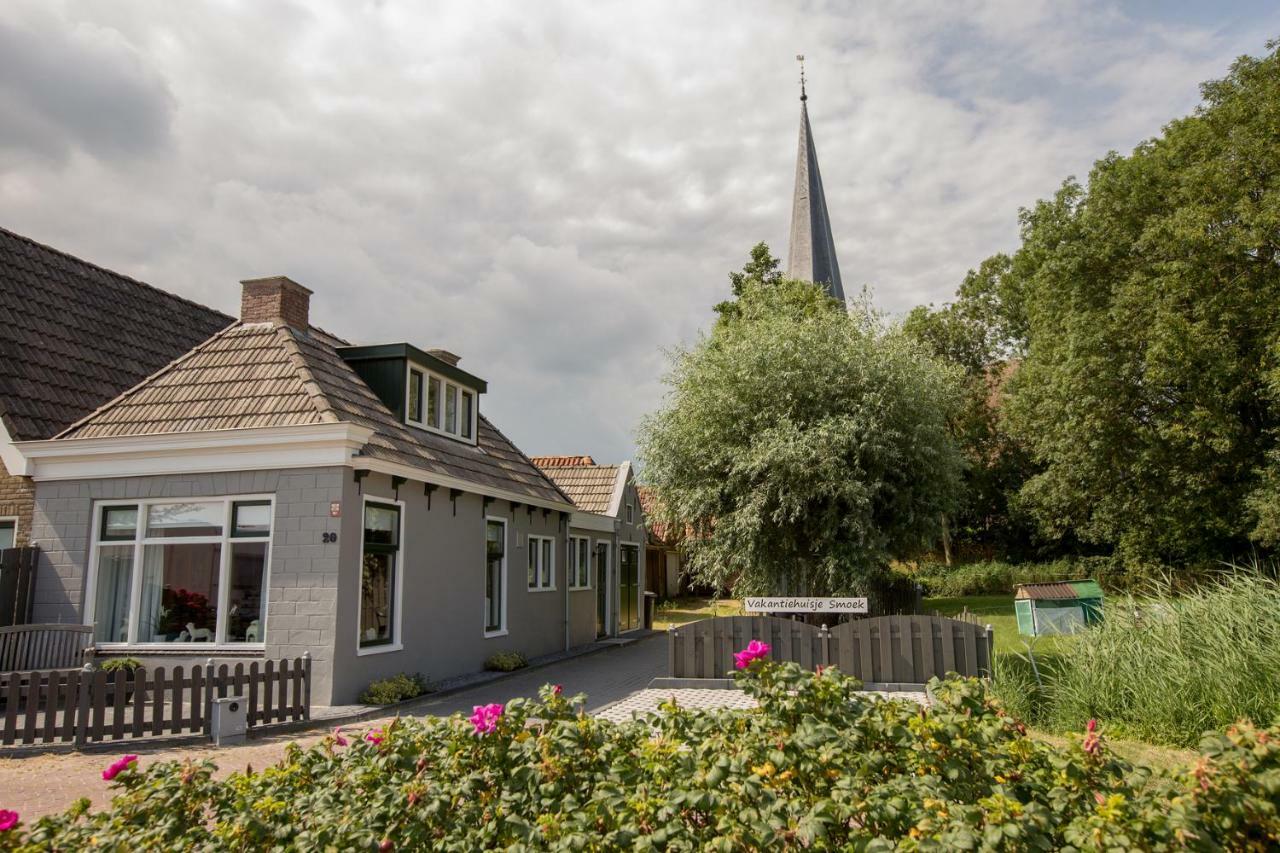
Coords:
680,611
993,610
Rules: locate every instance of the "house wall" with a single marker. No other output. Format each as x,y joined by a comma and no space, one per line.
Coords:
304,571
582,602
442,564
17,498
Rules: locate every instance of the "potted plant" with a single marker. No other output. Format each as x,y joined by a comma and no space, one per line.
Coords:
130,666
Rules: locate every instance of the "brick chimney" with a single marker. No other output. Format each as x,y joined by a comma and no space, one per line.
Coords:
445,356
278,300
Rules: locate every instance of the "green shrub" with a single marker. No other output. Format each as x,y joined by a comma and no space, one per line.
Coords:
817,765
506,662
114,664
397,688
994,577
1161,667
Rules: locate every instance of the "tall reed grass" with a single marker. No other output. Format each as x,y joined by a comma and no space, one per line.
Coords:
1162,667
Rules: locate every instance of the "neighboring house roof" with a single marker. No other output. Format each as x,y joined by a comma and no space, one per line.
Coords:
592,488
73,335
1059,590
561,461
660,533
259,375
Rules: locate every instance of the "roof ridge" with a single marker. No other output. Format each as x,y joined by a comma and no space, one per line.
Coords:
324,408
47,248
147,380
541,473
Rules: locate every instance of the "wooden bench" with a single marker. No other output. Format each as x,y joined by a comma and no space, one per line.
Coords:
24,648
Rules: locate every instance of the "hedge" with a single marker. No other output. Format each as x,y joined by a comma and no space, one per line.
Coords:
818,765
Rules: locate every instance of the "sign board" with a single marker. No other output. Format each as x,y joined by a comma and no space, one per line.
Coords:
806,605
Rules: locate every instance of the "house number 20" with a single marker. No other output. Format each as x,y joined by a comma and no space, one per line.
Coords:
328,537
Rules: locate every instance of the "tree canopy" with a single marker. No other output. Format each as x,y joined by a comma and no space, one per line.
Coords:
805,446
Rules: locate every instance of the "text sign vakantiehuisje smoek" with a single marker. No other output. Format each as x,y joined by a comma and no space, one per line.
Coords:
806,605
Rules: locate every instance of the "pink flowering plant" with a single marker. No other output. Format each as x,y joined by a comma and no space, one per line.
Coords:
817,765
8,820
121,764
755,650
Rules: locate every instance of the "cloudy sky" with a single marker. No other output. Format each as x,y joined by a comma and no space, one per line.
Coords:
556,191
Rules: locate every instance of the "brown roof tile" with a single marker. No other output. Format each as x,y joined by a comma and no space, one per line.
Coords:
590,487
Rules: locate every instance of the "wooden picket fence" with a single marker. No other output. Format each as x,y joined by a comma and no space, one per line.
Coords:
85,705
880,650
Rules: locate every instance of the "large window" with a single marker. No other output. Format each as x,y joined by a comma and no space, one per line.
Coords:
434,403
8,532
379,566
579,562
542,571
495,576
181,572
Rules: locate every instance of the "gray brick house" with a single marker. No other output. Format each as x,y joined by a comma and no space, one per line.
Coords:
274,489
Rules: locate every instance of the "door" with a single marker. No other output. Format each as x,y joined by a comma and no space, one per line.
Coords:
602,589
629,588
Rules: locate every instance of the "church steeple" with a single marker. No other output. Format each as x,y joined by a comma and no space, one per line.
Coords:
811,255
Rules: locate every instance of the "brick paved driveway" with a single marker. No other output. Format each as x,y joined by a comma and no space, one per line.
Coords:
48,783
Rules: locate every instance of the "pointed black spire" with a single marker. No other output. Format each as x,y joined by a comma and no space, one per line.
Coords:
812,251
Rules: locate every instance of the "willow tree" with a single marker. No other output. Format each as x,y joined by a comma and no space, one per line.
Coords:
805,446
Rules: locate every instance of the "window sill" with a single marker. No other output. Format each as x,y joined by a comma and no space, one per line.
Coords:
580,589
491,634
184,649
542,589
361,651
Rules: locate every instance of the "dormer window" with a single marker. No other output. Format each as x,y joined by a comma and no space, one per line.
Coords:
436,404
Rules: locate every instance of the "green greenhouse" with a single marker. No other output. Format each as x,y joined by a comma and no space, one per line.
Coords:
1061,607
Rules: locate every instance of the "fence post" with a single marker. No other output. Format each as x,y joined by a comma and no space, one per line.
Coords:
991,652
208,697
84,685
306,685
825,636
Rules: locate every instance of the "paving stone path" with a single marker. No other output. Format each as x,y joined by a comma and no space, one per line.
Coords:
647,701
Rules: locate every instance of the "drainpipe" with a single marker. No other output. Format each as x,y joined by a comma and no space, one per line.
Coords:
567,562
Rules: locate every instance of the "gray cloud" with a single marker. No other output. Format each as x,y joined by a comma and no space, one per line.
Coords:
556,191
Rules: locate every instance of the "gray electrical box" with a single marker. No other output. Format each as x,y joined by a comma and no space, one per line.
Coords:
229,720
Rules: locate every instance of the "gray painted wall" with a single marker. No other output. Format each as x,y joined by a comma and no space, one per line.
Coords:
303,571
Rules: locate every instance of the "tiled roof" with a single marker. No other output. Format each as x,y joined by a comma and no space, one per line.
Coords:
257,375
590,487
74,335
561,461
659,532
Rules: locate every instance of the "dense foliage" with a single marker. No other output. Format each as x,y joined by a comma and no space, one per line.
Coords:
803,444
1142,312
1161,667
505,661
994,577
817,766
397,688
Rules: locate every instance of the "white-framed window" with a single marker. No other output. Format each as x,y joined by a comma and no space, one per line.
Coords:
437,404
181,572
631,513
381,575
579,562
8,533
495,576
542,563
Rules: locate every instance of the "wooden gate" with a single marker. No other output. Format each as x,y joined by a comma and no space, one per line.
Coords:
17,584
907,650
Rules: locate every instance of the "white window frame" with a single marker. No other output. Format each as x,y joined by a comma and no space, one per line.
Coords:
571,565
422,396
5,519
631,513
397,638
506,560
141,540
444,384
540,571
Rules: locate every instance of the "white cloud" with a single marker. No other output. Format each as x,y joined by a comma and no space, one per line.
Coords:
556,191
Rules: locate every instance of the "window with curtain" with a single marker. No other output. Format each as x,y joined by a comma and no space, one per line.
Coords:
182,572
378,574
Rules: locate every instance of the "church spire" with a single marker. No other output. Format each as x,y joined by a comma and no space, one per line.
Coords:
812,252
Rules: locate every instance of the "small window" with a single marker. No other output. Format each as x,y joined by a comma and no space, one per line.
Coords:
119,522
251,518
468,403
433,403
579,563
415,396
8,533
378,574
451,408
541,563
631,513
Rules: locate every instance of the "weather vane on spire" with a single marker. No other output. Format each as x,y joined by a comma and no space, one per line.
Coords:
800,59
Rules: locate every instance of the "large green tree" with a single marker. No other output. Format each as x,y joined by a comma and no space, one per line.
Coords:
1148,306
805,445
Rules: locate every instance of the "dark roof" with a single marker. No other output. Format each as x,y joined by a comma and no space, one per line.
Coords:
258,375
811,252
73,335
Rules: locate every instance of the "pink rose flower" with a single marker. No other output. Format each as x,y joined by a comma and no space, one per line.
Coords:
755,650
8,820
374,736
116,768
1092,743
557,690
485,718
337,736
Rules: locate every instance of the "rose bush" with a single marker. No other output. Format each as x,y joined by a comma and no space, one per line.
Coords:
817,765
